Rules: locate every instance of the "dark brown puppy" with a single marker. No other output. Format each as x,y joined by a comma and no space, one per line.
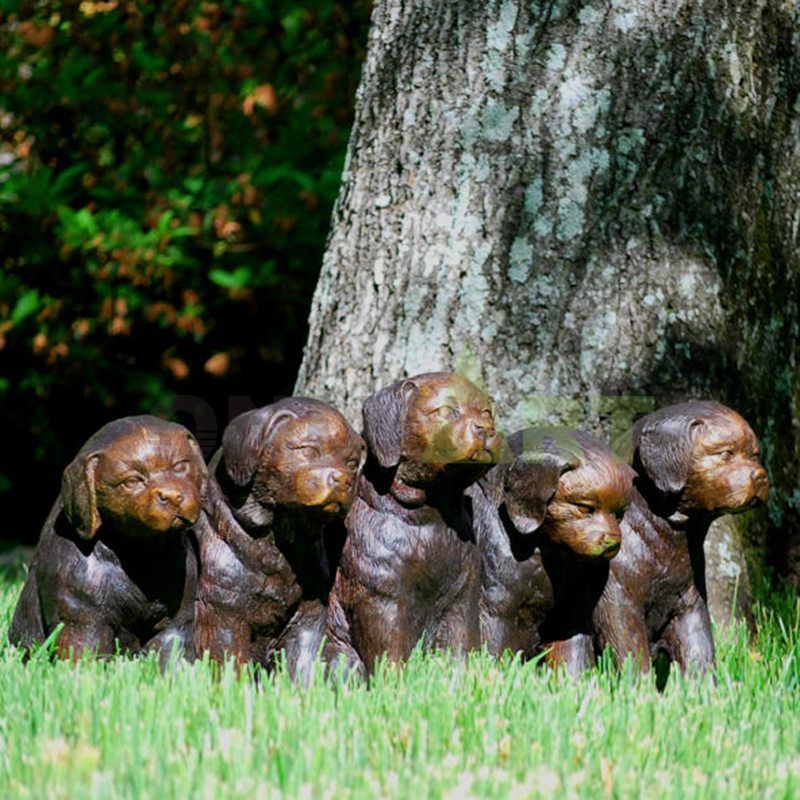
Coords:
547,523
282,474
410,568
116,562
694,461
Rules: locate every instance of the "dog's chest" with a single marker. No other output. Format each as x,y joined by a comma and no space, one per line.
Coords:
519,589
252,579
655,564
516,593
512,572
421,562
142,599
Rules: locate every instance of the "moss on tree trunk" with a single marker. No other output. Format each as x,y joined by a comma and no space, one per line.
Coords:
585,200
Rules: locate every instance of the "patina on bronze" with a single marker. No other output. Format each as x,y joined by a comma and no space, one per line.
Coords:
547,524
283,474
694,461
115,562
409,571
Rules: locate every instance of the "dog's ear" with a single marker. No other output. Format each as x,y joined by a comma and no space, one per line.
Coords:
244,440
384,417
663,451
200,461
529,487
79,494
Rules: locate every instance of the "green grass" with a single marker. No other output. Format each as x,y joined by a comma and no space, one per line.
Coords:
440,728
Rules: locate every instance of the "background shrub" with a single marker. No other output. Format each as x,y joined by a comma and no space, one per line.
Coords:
167,173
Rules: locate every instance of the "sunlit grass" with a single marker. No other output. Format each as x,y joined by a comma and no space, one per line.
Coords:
439,728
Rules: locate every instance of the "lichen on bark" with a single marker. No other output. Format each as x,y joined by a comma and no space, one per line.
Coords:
589,199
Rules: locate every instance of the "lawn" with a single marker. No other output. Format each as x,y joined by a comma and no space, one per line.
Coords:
439,728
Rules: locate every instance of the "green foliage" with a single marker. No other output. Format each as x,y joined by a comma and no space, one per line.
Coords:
167,173
441,728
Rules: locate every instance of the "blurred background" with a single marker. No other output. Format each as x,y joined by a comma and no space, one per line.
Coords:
167,173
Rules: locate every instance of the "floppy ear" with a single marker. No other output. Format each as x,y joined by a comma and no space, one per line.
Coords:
244,439
79,496
529,487
384,416
664,451
200,460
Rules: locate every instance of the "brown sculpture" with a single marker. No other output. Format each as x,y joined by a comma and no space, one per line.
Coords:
283,473
694,461
547,524
410,568
115,562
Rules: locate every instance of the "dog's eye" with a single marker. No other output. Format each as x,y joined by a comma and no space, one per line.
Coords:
309,451
585,508
133,482
447,413
724,455
181,467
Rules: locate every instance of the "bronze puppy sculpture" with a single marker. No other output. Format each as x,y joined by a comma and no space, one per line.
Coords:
409,570
694,461
116,563
547,524
284,471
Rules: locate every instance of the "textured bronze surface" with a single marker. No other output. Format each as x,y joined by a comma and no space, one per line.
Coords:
115,562
283,475
547,523
410,568
694,461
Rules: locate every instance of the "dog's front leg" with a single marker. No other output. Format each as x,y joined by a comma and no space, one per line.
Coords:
688,635
620,622
575,654
176,638
74,639
339,654
221,635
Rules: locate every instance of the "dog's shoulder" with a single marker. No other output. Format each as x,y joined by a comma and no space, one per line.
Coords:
62,553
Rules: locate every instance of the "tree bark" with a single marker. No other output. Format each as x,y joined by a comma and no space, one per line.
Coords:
578,201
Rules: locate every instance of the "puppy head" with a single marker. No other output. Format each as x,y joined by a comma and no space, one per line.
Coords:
568,485
140,476
298,452
431,421
704,454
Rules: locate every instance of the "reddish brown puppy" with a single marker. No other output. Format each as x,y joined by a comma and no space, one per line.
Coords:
547,524
410,568
116,563
694,461
283,474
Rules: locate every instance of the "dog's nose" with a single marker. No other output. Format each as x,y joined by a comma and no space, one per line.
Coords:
611,545
760,483
171,495
612,535
338,477
483,425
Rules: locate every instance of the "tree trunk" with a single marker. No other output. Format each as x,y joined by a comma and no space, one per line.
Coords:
581,202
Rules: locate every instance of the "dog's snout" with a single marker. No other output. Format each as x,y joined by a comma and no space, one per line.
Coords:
483,425
760,483
169,495
338,477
